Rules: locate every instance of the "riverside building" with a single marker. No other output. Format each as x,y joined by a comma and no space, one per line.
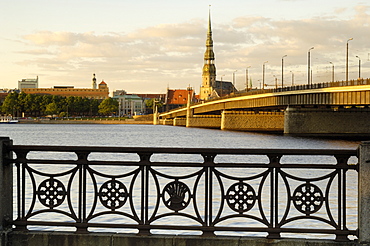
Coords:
28,83
96,92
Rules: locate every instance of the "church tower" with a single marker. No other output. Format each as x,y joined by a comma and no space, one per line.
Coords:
209,69
93,85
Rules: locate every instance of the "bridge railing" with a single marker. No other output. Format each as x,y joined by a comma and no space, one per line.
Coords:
297,88
197,190
287,88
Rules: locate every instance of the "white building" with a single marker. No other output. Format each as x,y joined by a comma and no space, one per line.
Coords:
28,83
129,105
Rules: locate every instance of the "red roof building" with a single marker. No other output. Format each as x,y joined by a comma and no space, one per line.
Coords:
177,98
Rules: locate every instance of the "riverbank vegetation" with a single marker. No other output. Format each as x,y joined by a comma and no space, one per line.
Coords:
33,105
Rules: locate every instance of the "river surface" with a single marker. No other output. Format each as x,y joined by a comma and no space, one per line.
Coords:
170,136
158,136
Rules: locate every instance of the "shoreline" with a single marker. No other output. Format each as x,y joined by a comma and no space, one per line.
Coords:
75,121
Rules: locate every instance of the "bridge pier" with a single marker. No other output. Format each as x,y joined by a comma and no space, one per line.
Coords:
167,122
252,121
321,122
179,121
204,121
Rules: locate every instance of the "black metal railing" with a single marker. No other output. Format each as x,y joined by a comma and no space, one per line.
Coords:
205,190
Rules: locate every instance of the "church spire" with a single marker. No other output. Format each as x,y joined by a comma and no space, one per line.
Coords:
209,23
209,55
209,68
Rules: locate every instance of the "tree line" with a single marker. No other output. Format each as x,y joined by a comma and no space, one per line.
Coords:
34,105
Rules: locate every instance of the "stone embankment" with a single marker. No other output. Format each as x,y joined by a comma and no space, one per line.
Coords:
86,122
109,239
142,120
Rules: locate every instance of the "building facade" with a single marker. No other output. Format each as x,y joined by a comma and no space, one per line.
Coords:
28,83
130,105
176,98
101,92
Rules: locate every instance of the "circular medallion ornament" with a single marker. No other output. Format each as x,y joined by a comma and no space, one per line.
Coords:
176,195
113,194
241,197
308,198
51,193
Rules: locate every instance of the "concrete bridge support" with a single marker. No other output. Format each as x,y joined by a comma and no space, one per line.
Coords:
204,121
317,122
251,121
179,122
168,122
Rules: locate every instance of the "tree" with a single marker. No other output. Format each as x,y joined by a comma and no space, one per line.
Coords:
51,109
94,107
36,105
150,105
10,104
108,106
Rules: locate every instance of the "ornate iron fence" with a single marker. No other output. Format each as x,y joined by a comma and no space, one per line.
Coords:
205,190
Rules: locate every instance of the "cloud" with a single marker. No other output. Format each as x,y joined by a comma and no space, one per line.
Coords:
172,54
46,38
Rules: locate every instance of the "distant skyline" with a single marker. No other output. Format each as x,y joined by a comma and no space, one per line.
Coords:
146,46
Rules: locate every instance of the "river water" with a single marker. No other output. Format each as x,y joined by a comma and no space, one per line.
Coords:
157,136
169,136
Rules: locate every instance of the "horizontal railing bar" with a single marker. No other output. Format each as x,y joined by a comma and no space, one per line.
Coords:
74,224
320,231
295,166
182,227
218,151
184,164
283,230
45,161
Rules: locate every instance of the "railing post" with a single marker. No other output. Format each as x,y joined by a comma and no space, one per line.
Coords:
364,193
6,187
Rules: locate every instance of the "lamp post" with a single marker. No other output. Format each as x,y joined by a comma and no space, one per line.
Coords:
359,67
332,72
276,82
234,80
263,75
221,85
282,71
246,78
347,60
309,66
292,78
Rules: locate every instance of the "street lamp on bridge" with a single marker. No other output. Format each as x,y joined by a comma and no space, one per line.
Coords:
221,84
276,82
263,75
234,80
282,71
347,60
246,78
292,78
309,66
332,72
359,67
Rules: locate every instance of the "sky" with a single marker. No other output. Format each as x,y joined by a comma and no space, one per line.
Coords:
147,46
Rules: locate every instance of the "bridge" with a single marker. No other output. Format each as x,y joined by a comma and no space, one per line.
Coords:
325,108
